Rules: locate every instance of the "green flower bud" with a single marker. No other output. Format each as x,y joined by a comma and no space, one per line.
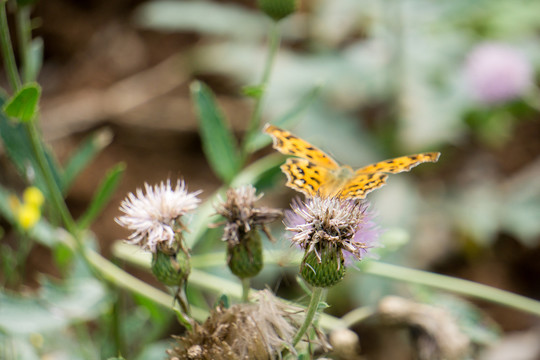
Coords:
327,271
171,270
277,9
245,259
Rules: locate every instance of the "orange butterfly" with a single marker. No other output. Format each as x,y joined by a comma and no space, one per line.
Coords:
313,172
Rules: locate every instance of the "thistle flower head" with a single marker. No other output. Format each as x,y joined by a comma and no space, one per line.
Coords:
154,216
330,230
242,223
346,224
257,330
241,214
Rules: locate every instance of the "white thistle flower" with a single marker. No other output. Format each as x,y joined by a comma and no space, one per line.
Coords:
154,217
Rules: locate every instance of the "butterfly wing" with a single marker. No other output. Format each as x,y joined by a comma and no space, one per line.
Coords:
374,176
362,184
288,144
399,164
306,176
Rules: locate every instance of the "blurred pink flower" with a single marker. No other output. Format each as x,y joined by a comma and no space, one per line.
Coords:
496,72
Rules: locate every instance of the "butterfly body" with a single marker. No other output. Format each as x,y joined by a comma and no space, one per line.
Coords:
314,173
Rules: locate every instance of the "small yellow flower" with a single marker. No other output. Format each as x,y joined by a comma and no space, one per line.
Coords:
28,215
33,196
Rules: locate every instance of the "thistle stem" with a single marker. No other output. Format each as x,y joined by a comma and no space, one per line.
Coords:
459,286
274,39
310,314
245,289
24,35
7,50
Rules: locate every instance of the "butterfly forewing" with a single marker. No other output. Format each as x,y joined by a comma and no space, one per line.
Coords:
305,176
399,164
288,144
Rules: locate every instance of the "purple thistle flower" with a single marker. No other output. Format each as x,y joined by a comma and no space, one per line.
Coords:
346,225
496,73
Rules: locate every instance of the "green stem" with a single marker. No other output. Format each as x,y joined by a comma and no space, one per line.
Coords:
54,192
116,328
274,39
245,289
460,286
448,283
7,49
24,34
310,314
357,315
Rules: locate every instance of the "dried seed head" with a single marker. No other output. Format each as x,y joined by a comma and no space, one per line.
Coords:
257,330
242,224
241,214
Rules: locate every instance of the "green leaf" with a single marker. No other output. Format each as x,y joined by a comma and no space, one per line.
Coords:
218,142
16,348
86,152
102,195
226,20
224,301
260,139
63,256
24,104
56,306
254,91
155,350
19,149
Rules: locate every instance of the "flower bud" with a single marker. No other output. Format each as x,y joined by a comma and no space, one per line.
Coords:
325,271
277,9
245,259
171,270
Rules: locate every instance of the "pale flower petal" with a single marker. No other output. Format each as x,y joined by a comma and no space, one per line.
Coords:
154,217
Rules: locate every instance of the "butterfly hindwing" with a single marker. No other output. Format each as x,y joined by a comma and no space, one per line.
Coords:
305,176
288,144
362,184
399,164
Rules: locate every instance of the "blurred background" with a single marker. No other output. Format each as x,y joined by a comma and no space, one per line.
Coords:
389,78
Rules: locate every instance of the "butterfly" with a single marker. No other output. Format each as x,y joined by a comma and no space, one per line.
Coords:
314,173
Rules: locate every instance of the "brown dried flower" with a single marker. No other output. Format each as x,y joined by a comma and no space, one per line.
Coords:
242,216
250,331
243,220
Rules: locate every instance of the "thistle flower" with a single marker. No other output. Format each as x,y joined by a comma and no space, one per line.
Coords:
330,230
155,216
497,72
278,9
242,224
257,330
